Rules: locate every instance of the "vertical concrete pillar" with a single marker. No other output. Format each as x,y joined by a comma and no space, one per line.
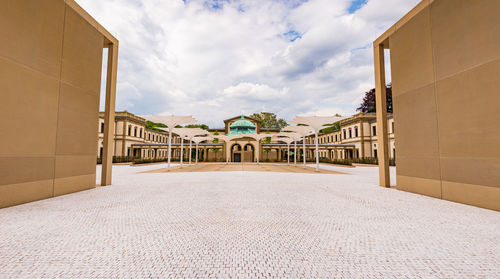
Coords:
109,114
380,99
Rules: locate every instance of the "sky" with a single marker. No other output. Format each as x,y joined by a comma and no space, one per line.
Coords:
215,59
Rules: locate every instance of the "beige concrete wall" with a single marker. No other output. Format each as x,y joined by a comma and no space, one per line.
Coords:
445,65
50,76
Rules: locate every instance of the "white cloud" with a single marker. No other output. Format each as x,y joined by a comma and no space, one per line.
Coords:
288,57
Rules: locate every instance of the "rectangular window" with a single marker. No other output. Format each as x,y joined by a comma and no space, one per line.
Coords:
350,133
356,132
375,153
393,127
345,135
102,127
374,130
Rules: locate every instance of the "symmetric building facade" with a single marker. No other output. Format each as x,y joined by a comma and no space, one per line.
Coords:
356,138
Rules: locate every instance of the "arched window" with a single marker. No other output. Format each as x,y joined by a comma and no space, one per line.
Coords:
129,130
140,133
135,131
356,132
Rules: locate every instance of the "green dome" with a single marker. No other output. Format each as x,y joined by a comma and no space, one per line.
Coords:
241,126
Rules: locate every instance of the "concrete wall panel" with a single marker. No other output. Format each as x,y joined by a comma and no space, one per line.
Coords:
25,169
82,54
77,122
72,184
465,33
50,77
29,99
13,194
411,55
447,126
31,33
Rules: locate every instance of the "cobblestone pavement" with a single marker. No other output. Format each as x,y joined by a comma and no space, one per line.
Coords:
248,225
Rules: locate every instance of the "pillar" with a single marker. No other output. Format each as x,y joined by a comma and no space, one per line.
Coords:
109,114
380,99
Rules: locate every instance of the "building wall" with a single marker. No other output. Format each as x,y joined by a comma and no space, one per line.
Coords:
50,77
364,140
138,133
445,75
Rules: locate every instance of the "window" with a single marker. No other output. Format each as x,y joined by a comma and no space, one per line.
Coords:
374,128
140,133
356,132
350,133
129,130
102,127
375,153
345,134
336,139
135,131
393,127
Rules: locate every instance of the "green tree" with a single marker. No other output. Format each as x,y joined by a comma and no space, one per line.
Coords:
331,127
215,150
152,126
267,140
269,120
202,126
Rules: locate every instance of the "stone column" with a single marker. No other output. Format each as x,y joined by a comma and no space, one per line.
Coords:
381,102
109,114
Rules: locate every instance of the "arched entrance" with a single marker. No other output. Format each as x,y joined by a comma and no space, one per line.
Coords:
236,152
248,153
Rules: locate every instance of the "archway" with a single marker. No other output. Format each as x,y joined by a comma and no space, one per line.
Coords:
248,153
236,152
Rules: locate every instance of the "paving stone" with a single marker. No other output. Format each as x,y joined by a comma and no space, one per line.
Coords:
248,225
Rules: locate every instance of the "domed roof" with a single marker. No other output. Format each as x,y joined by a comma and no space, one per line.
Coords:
242,122
242,127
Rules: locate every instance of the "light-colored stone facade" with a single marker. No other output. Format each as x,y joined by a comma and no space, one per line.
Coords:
359,130
131,129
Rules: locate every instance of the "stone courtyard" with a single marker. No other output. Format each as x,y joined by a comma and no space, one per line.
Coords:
248,224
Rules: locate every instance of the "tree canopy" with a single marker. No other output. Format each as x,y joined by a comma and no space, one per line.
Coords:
152,126
269,120
369,104
202,126
332,127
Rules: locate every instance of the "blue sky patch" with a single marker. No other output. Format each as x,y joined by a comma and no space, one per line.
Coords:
292,35
356,5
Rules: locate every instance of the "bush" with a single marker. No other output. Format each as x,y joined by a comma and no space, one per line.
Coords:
346,162
118,159
147,161
366,160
